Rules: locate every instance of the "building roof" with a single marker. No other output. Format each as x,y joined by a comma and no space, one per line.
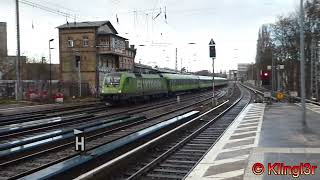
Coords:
166,70
87,24
143,66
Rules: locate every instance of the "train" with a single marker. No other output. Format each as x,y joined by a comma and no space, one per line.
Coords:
120,86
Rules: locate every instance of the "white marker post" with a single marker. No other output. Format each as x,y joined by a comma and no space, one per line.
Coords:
79,140
267,96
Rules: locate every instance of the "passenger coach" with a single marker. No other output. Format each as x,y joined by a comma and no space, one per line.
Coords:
125,86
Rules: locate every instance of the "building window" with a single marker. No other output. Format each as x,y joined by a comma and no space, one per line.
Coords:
85,41
103,42
70,42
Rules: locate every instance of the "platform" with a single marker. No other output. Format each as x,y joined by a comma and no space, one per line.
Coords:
265,134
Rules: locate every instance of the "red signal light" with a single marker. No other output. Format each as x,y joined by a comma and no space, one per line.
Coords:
265,74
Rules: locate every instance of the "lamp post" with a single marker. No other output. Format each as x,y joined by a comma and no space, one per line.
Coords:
50,79
302,75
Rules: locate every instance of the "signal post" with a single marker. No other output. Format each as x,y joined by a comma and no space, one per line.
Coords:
212,53
265,78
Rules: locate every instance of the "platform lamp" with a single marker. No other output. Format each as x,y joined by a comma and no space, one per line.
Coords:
50,78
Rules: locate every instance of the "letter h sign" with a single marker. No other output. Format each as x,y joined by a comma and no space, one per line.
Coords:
80,140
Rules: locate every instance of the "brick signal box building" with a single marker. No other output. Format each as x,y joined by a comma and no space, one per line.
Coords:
98,48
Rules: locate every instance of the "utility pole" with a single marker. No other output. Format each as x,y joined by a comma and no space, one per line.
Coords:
302,68
50,73
311,63
278,78
272,73
177,60
79,73
18,82
317,70
252,72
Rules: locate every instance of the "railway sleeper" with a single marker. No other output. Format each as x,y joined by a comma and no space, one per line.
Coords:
188,153
175,165
190,157
179,162
163,176
196,148
192,150
176,171
203,139
198,145
216,128
222,124
201,142
212,137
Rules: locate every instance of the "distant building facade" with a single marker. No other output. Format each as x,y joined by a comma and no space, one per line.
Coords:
7,63
3,39
99,49
242,71
232,74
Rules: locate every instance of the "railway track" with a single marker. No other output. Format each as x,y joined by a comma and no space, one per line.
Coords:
287,97
13,116
45,156
172,157
54,111
14,132
181,156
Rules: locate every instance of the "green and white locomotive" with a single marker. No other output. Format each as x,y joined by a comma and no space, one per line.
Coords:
124,85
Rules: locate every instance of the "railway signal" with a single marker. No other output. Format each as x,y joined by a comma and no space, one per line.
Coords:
212,49
265,77
212,54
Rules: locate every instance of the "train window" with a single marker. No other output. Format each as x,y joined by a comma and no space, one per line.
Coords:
112,79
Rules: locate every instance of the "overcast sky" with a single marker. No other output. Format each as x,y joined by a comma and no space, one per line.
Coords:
233,24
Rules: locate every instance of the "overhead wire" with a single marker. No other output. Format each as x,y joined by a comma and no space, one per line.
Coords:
46,8
68,15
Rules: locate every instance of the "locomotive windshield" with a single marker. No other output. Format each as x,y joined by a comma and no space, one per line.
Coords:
112,79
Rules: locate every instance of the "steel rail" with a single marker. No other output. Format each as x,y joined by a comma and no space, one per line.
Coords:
183,142
20,175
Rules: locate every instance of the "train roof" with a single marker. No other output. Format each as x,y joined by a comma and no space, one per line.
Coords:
166,75
210,78
129,74
178,76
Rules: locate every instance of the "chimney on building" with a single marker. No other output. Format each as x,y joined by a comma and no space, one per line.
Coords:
132,46
127,44
3,39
